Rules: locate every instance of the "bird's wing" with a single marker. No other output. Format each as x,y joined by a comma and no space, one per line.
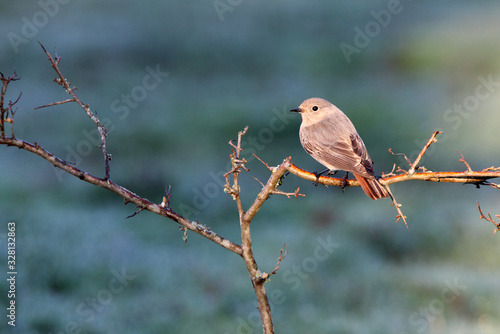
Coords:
347,154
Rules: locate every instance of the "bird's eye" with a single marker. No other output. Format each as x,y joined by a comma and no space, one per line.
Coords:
315,108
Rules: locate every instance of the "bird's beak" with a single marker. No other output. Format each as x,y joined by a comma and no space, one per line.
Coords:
296,110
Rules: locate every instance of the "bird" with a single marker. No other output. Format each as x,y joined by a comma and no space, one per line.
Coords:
329,136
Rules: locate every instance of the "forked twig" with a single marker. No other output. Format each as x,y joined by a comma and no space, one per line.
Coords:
424,149
489,218
281,257
61,80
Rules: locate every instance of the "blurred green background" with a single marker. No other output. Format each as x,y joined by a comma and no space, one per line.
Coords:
408,69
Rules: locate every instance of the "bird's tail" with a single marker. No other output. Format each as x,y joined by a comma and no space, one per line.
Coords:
372,187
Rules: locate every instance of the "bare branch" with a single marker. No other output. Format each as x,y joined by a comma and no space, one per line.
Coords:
135,213
467,177
491,184
497,225
265,164
4,111
55,103
421,154
473,177
404,156
281,257
124,193
462,159
61,80
295,194
397,206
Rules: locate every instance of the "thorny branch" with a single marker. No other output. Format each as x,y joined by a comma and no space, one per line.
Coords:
476,178
232,188
497,225
4,112
281,257
162,209
61,80
246,217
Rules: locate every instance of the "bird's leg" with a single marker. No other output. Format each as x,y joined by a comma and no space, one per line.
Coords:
330,172
344,182
318,175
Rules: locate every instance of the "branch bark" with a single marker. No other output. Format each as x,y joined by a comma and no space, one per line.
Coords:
473,177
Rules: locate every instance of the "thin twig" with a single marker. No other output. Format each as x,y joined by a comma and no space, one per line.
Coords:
489,218
462,159
4,112
397,206
265,164
135,213
281,257
238,145
55,103
166,199
421,154
491,184
404,156
184,235
295,194
71,91
256,179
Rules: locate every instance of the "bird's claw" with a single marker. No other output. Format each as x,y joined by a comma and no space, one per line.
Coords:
344,181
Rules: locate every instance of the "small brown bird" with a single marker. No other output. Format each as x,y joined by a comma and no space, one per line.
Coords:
329,137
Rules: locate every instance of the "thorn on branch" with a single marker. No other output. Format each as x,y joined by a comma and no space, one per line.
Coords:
489,218
61,80
135,213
